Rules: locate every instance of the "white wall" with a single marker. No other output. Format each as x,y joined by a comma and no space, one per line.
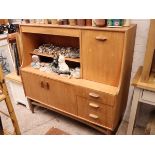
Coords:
139,53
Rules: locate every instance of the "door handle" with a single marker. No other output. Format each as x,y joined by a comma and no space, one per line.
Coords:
47,85
93,116
101,38
94,95
94,105
42,84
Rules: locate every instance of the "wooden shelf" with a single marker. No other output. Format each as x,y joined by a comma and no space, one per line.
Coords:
73,60
50,56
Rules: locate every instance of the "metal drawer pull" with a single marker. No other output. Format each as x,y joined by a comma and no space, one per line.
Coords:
101,38
42,84
93,116
94,95
94,105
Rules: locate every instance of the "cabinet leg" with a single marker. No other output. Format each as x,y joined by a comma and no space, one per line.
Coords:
31,106
133,112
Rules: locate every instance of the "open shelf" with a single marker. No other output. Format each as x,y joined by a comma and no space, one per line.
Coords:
50,56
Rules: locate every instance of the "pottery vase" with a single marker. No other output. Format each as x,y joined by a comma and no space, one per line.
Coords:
100,22
72,22
88,22
126,22
81,22
45,21
65,21
60,22
54,21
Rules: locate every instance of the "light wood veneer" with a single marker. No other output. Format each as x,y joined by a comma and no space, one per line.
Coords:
99,97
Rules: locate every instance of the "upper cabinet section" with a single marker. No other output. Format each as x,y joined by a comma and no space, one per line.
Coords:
103,52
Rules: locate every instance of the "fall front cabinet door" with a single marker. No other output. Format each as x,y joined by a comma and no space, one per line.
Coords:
102,56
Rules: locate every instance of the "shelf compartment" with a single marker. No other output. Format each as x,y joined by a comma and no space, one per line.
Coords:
50,56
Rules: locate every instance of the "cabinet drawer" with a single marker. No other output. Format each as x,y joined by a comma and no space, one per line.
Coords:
100,97
95,95
95,112
148,96
102,56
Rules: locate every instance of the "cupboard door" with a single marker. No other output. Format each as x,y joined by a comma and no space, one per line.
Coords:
102,56
61,96
34,87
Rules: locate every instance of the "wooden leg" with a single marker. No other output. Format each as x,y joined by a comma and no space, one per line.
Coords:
31,106
133,112
1,127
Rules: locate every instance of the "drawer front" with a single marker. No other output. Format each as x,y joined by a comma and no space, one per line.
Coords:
148,96
95,112
95,95
100,97
105,50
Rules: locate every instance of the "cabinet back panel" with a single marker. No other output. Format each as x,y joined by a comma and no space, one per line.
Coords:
60,40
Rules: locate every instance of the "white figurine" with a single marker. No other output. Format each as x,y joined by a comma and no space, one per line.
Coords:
75,73
63,67
35,61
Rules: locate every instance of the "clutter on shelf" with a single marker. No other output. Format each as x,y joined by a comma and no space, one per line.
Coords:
58,65
82,22
54,51
99,22
115,22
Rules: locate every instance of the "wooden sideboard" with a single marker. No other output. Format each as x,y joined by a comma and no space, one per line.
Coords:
99,97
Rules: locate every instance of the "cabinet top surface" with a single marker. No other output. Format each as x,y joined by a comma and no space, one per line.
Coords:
121,29
149,85
78,82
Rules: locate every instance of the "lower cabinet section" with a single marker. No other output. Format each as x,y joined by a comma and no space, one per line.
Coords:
95,112
88,105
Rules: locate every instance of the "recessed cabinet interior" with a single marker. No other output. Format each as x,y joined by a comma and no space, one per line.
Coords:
98,97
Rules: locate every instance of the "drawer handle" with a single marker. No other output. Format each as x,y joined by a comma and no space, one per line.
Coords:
93,116
47,86
94,105
101,38
94,95
42,84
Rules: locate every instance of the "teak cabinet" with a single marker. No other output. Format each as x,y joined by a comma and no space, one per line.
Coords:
99,97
